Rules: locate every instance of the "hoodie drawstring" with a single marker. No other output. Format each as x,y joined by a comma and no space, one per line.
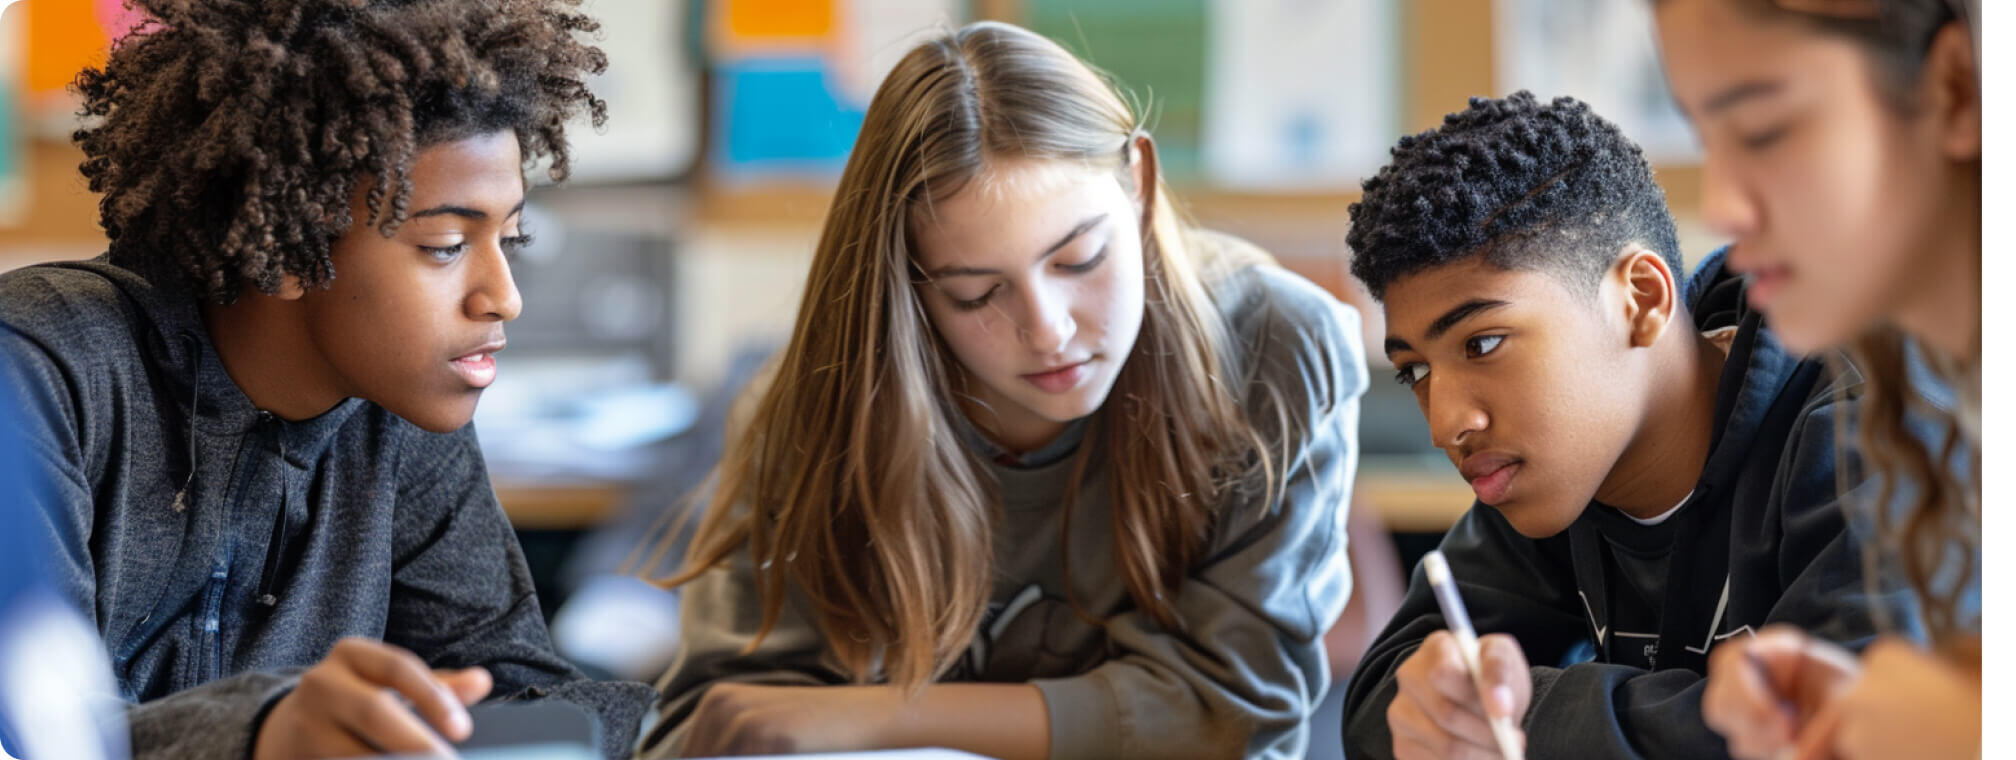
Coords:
195,399
269,576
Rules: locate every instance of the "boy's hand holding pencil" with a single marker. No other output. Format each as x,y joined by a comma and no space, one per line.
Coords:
1455,706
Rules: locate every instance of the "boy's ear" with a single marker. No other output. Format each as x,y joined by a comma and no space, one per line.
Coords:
290,288
1650,294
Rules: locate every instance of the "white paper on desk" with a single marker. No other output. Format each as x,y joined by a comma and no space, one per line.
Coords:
579,418
619,623
1604,53
892,754
1299,94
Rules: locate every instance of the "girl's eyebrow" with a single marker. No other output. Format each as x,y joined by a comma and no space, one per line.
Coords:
959,271
1735,95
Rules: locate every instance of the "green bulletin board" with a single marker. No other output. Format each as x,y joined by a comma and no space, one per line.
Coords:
1139,42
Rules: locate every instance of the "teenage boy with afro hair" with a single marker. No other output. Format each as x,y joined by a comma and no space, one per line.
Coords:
253,411
1654,472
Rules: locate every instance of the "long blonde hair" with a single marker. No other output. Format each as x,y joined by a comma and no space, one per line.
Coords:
850,482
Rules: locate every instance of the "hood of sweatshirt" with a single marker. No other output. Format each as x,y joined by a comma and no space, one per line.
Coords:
216,415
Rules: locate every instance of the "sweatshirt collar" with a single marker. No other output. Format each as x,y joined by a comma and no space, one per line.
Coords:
194,376
1755,373
1050,453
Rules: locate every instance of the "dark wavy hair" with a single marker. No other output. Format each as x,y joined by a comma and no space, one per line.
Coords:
1927,509
1528,185
228,136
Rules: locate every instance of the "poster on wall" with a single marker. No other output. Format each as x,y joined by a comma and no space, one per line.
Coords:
1302,95
63,37
13,158
1155,50
1603,52
792,79
43,45
652,87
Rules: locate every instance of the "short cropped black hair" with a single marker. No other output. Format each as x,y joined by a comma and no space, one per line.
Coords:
1527,185
228,135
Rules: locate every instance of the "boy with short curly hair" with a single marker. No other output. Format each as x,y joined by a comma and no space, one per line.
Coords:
1654,472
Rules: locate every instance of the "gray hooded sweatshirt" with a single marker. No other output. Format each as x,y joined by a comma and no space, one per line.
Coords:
222,550
1242,674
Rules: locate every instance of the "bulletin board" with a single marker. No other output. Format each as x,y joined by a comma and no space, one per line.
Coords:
772,156
1155,48
13,179
1603,52
43,44
652,88
790,80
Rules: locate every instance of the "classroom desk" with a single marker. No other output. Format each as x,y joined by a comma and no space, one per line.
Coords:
1411,497
540,505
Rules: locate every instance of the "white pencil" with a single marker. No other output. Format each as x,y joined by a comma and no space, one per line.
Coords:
1458,618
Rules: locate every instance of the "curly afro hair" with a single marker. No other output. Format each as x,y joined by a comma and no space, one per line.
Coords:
228,136
1528,185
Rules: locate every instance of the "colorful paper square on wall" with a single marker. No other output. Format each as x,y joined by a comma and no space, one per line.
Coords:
791,79
1157,51
64,36
745,24
13,192
779,116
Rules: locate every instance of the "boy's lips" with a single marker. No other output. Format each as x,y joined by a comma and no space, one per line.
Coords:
1490,474
478,368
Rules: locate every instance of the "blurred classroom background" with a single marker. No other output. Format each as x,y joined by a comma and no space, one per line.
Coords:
671,264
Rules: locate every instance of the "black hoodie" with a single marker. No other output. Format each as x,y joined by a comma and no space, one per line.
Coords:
1617,618
222,550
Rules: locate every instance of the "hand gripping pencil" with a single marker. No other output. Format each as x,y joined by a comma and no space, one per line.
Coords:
1458,618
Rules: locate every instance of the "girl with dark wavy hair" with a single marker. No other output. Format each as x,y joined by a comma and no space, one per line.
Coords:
1843,142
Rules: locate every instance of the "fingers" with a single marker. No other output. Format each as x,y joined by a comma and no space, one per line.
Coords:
1798,664
1508,682
391,667
1816,740
1441,716
1407,750
469,685
1783,658
383,720
1417,734
334,698
1438,709
1740,703
722,735
1437,667
331,740
708,726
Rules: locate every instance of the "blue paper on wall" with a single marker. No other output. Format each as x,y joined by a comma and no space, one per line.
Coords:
781,117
